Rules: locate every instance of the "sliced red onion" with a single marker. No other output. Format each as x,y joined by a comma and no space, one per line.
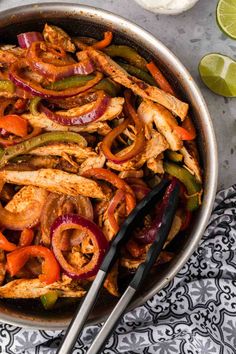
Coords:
140,191
25,39
73,221
60,72
147,234
37,90
56,72
4,133
92,115
25,219
57,205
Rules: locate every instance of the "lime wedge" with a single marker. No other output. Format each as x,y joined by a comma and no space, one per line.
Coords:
218,72
226,17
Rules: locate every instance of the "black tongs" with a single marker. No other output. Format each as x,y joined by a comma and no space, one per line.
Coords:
169,191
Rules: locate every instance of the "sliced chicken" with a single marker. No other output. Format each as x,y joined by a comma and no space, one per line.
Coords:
156,165
111,281
191,162
164,121
59,149
33,288
131,173
154,147
57,36
25,196
55,181
97,161
139,87
133,263
41,121
6,57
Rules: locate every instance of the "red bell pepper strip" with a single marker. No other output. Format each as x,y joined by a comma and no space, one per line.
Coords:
118,197
106,41
7,142
5,245
160,78
189,126
139,143
14,124
26,237
187,220
50,267
183,133
108,176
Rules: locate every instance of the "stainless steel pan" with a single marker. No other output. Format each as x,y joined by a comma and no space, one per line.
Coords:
89,21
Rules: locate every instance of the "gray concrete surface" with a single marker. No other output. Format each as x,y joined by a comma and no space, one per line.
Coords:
190,36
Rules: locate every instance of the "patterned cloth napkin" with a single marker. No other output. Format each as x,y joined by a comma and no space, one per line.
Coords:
194,314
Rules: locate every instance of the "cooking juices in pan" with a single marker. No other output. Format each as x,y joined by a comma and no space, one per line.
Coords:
87,129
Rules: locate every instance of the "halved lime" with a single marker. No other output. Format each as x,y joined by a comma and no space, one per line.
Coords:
226,17
218,72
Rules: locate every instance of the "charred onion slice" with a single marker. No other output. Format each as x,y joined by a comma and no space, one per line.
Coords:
139,143
27,38
73,221
55,72
57,205
17,77
26,218
98,109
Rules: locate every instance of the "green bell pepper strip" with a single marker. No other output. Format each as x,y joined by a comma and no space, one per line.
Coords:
110,87
139,73
33,106
127,53
27,145
49,299
70,82
174,156
7,85
106,84
194,188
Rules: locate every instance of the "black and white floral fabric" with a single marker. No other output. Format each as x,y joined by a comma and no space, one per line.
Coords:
194,314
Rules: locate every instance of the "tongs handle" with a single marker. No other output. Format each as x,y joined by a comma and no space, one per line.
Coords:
141,273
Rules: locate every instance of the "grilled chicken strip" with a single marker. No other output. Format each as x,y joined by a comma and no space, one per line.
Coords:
139,87
41,121
55,181
24,197
191,163
59,149
33,288
156,165
97,161
151,112
57,36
